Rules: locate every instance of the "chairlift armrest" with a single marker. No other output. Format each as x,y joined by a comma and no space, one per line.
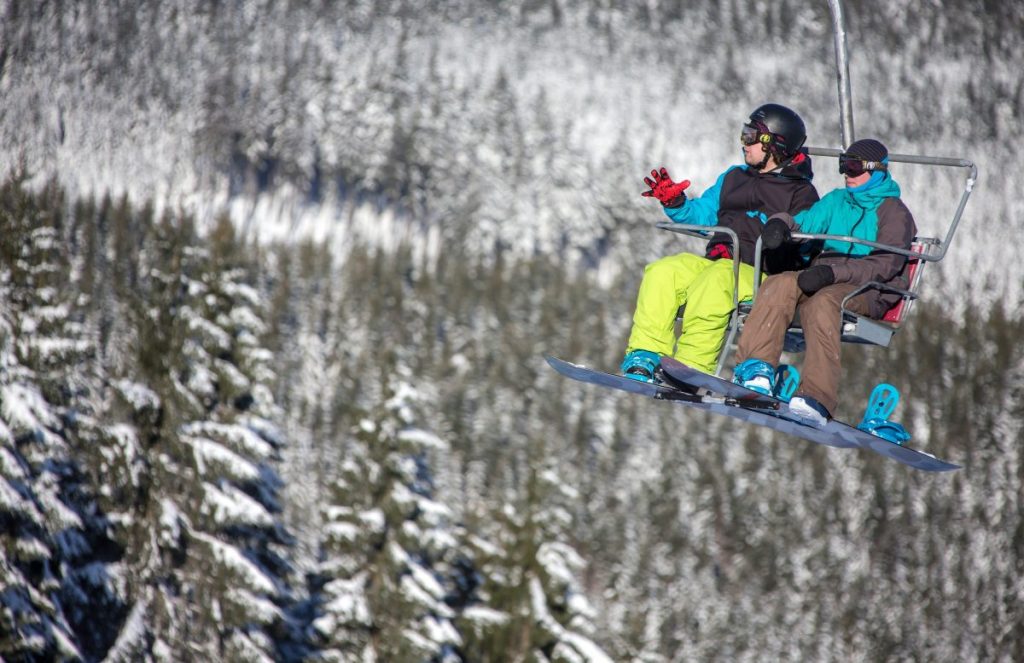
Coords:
700,232
877,285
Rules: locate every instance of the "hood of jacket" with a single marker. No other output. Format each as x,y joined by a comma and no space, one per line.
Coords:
872,193
798,168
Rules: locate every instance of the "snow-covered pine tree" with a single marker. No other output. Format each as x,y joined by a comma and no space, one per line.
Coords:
55,584
214,582
32,623
388,545
306,344
534,608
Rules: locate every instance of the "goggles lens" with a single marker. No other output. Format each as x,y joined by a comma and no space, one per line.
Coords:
751,134
851,165
854,166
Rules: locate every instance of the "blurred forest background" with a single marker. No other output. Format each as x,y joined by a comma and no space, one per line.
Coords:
276,280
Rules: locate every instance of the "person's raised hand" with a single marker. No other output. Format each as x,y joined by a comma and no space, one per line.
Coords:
667,192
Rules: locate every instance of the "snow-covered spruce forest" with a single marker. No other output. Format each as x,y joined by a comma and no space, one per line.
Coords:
276,280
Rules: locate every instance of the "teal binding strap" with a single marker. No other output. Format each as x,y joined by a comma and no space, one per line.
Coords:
787,379
883,402
881,405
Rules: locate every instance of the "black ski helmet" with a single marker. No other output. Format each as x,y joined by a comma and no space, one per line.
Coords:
785,126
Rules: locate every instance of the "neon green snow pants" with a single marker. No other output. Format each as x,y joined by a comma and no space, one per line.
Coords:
705,286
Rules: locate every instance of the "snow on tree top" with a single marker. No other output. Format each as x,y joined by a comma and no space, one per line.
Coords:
235,561
12,502
373,519
423,438
29,547
139,396
238,437
229,506
559,561
25,409
427,581
348,605
207,452
484,615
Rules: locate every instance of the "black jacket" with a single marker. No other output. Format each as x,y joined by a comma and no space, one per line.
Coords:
746,198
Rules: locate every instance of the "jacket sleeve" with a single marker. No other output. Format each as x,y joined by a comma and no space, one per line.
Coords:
804,198
896,227
817,218
809,214
702,211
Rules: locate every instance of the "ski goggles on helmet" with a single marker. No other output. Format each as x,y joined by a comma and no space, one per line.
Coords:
752,134
854,166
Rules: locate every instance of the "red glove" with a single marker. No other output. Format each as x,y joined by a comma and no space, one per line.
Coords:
669,193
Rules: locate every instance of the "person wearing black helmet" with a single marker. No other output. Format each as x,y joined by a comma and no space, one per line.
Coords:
775,176
868,208
784,128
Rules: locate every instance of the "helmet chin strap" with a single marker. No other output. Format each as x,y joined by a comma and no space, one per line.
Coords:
780,161
764,161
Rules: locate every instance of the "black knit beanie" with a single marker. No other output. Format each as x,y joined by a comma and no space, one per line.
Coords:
868,149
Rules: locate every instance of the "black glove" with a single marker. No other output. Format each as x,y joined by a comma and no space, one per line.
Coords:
775,233
813,279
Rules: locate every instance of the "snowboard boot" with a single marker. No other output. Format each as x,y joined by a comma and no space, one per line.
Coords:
641,365
809,411
755,375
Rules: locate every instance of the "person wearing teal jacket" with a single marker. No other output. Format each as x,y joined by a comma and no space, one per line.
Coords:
868,208
774,177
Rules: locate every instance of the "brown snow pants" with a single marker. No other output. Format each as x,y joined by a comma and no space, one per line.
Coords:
777,303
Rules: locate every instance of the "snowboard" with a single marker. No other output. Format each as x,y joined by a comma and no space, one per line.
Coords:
731,400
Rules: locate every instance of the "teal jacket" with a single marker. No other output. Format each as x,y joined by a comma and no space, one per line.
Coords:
852,212
874,212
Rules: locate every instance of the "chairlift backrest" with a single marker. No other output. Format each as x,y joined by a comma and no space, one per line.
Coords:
914,269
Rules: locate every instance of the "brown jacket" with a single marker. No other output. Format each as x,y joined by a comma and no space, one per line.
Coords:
896,227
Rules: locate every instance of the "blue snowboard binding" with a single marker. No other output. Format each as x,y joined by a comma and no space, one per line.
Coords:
884,399
759,376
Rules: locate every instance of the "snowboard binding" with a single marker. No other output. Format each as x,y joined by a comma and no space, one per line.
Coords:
883,401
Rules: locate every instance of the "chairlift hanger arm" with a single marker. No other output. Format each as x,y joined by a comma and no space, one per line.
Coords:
954,162
842,71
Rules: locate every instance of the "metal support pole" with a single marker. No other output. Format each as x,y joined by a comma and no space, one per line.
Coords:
842,73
